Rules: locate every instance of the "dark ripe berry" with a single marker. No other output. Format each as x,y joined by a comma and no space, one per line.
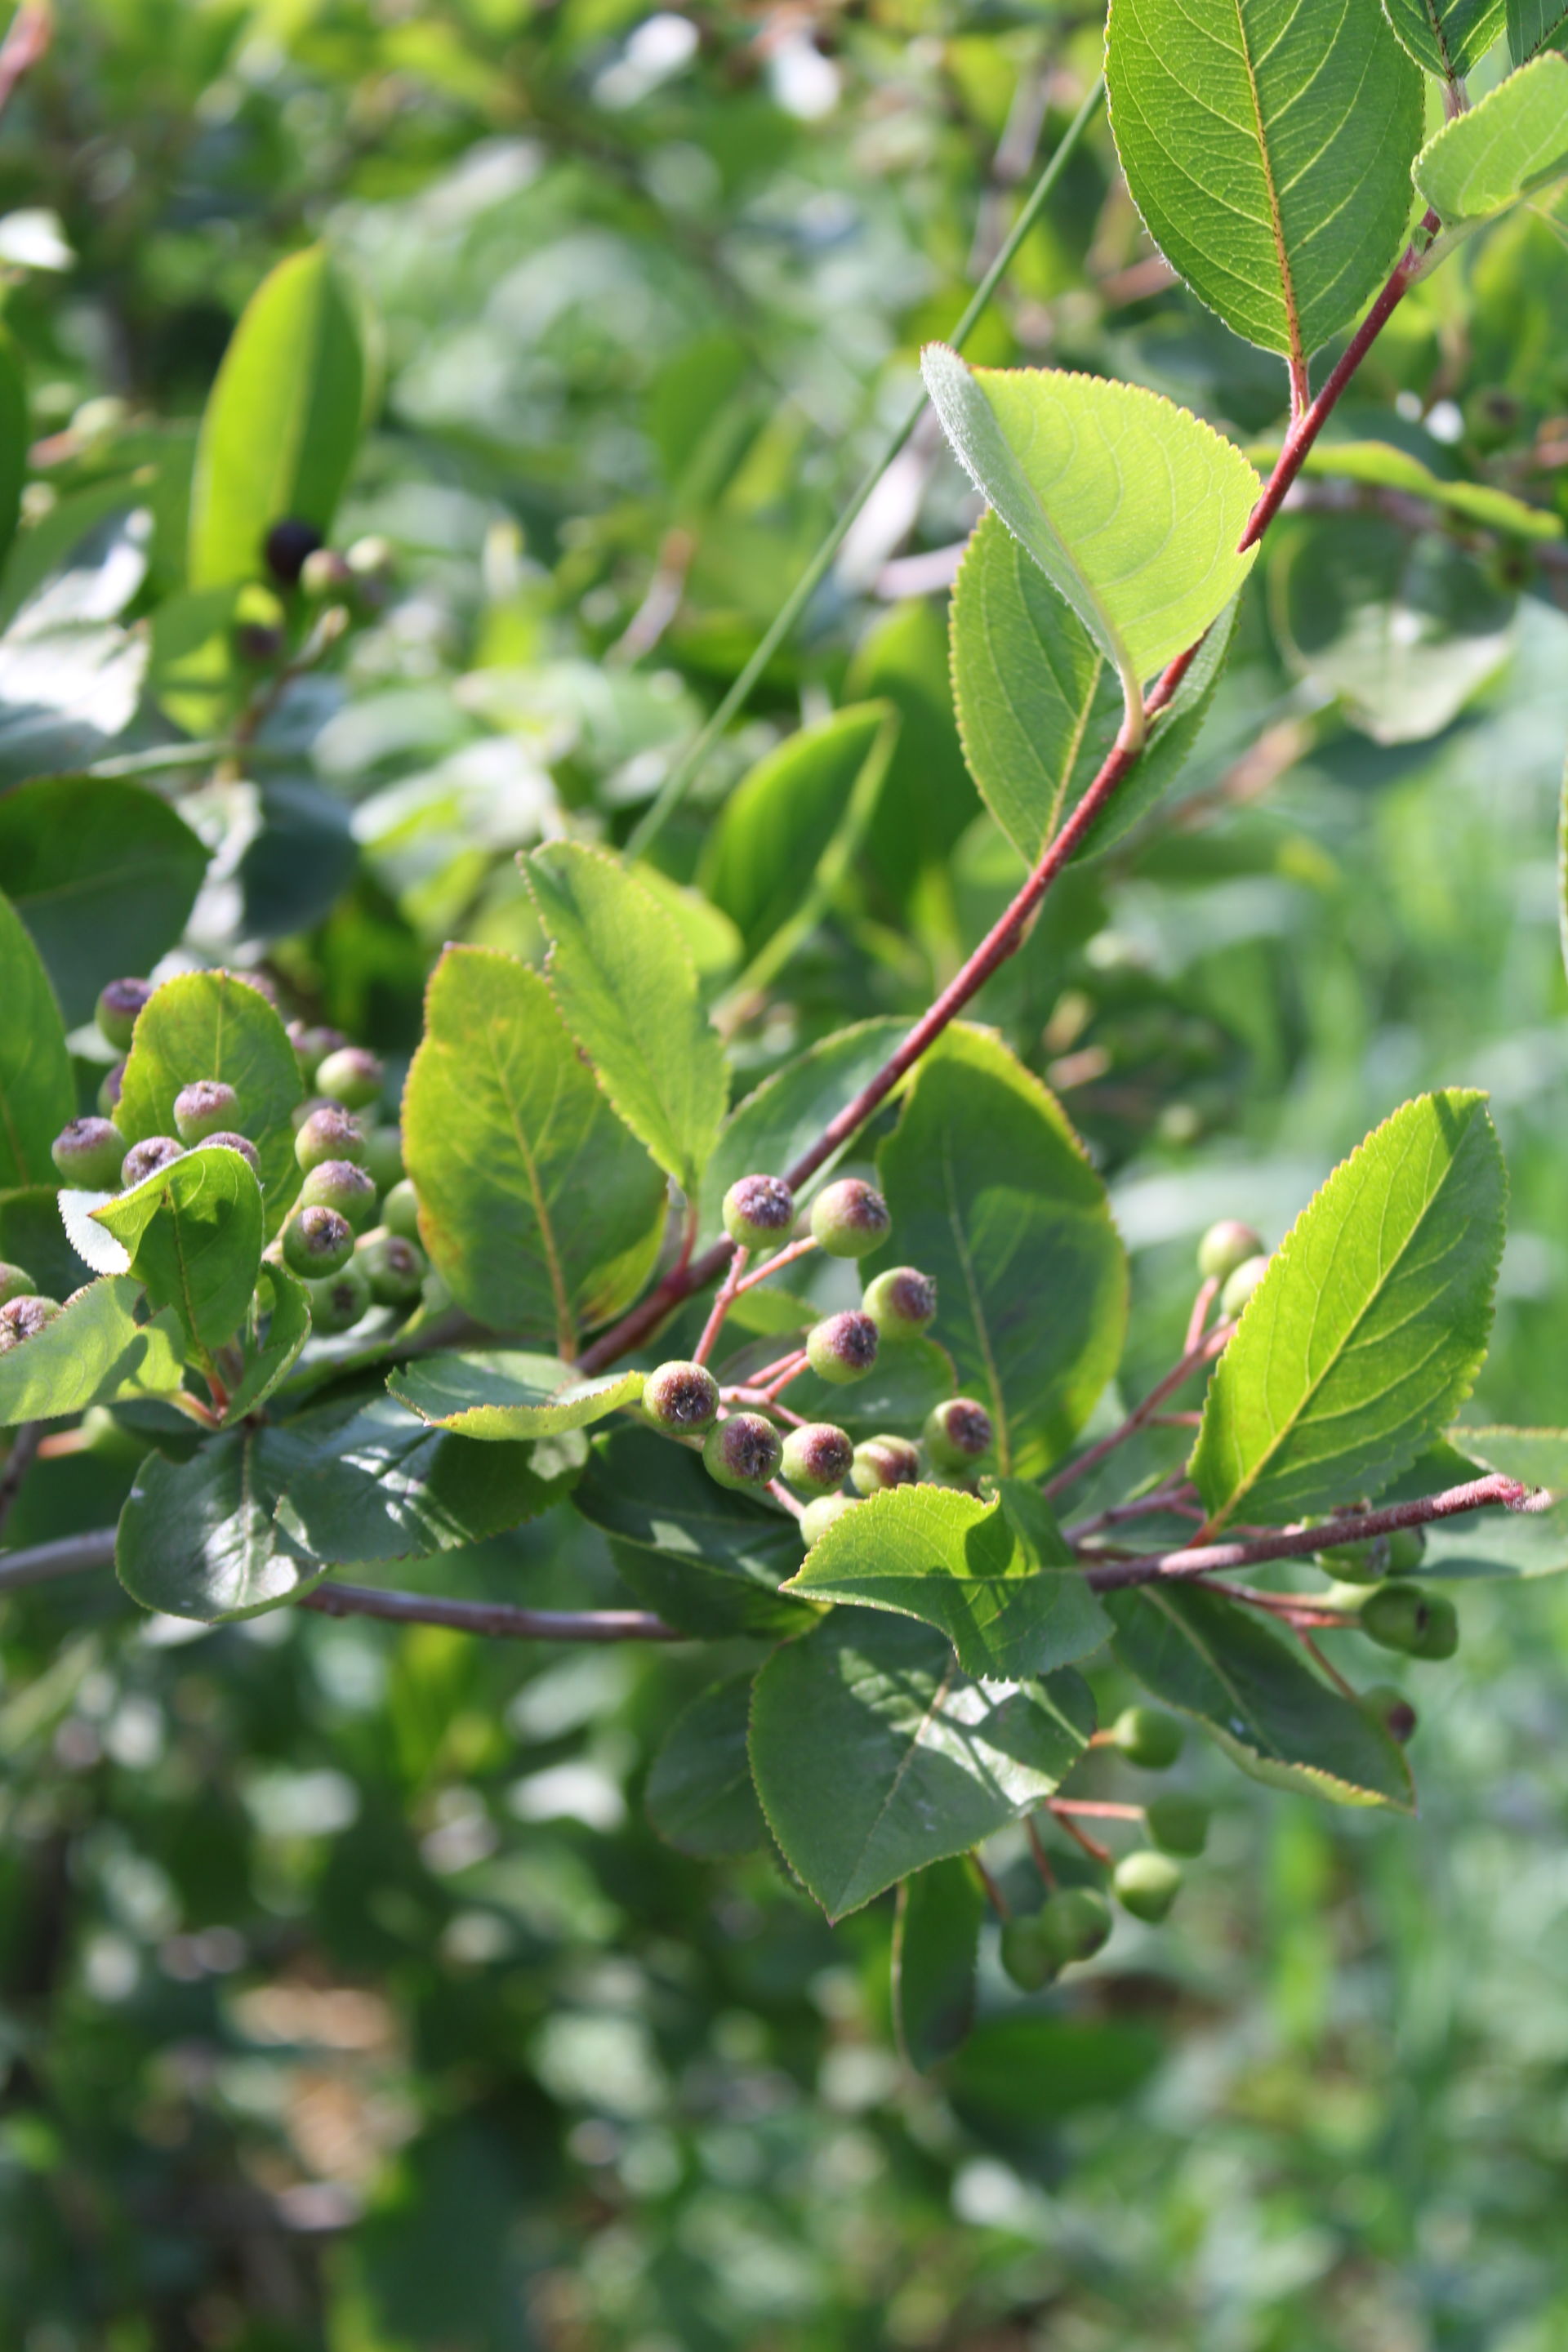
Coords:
1147,1737
287,545
400,1210
1392,1709
16,1282
849,1218
339,1184
901,1302
1075,1923
1240,1286
882,1462
226,1140
817,1457
1147,1883
311,1045
118,1005
743,1452
329,1134
109,1092
316,1243
384,1159
1026,1952
338,1303
24,1318
958,1433
204,1108
1406,1550
759,1212
145,1159
818,1517
1403,1617
1356,1563
352,1077
397,1269
681,1397
1225,1247
90,1152
842,1347
1178,1824
259,642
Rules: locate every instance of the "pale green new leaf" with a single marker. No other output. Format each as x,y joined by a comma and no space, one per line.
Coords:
214,1024
1448,37
1510,146
505,1394
1268,145
36,1092
94,1351
699,1795
193,1231
1370,1326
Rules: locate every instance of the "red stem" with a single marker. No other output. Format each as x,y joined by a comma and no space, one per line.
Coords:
1140,1413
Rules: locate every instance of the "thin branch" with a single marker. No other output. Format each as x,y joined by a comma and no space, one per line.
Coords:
1091,1846
496,1619
1209,1291
1037,1847
1206,1347
803,1248
70,1556
721,1306
18,1461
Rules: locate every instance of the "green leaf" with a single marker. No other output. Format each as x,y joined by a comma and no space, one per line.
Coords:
1532,24
927,801
280,1327
873,1756
1369,1328
212,1024
629,993
14,436
198,1538
37,1095
1446,37
103,874
1381,466
936,1946
94,1351
995,1577
768,1131
1038,704
508,1395
1032,2070
1131,506
541,1209
33,1234
699,1795
991,1193
1252,1690
1510,145
193,1234
1537,1458
282,423
1268,145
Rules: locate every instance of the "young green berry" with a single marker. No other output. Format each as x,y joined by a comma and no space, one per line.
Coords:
109,1091
1393,1710
849,1218
818,1517
882,1462
324,574
1076,1921
352,1077
1356,1563
743,1452
312,1043
118,1005
338,1302
90,1152
329,1134
339,1184
384,1159
16,1282
287,545
1225,1247
817,1457
204,1108
397,1269
1404,1617
316,1243
957,1433
1026,1952
901,1301
1147,1883
1147,1738
1178,1824
225,1139
400,1210
759,1212
1406,1550
24,1318
681,1397
1240,1286
842,1347
145,1159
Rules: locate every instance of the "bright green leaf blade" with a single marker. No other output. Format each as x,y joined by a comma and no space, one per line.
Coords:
198,1538
1446,37
1532,24
1510,145
212,1024
709,1560
991,1193
1252,1690
699,1795
1131,506
1268,145
936,1946
282,423
506,1394
537,1205
281,1325
785,818
1368,1329
767,1132
995,1577
873,1756
93,1351
37,1095
629,993
193,1234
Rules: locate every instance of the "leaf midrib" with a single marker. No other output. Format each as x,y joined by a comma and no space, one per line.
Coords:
1287,281
894,1785
566,1330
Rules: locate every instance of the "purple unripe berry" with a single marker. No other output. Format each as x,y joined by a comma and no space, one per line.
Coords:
957,1433
817,1458
24,1318
397,1269
339,1184
384,1159
203,1109
682,1397
901,1302
352,1077
118,1005
312,1043
759,1212
1225,1247
109,1092
882,1462
316,1243
842,1347
743,1452
400,1210
145,1159
818,1517
16,1282
849,1218
90,1152
329,1134
338,1303
225,1139
287,545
